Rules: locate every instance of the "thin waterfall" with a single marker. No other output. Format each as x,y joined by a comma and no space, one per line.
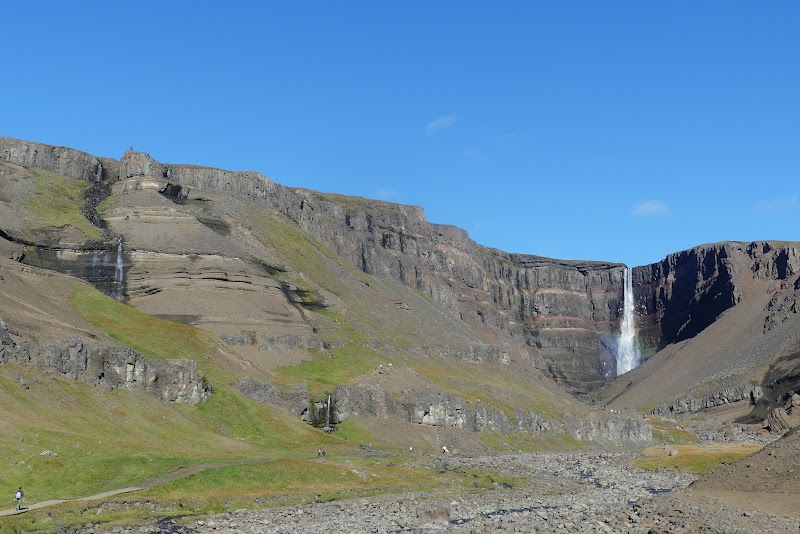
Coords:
627,352
119,270
328,416
98,175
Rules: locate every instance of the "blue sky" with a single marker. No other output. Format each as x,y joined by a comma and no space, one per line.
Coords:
618,131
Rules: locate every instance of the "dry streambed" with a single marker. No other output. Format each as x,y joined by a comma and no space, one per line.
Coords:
554,492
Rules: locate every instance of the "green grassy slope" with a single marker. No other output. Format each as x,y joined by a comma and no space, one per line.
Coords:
108,440
253,455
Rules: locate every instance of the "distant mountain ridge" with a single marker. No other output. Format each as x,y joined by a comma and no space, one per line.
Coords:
561,317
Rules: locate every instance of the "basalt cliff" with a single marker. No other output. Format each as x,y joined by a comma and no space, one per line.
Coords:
726,311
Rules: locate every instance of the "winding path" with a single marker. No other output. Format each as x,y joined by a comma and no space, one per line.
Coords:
180,473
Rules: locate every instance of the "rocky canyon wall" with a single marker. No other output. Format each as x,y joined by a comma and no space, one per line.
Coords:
687,291
565,315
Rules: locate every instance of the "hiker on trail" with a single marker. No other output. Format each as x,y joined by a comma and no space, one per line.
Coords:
18,497
411,451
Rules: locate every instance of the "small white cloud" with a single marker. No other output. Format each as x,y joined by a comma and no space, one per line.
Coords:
442,123
385,194
651,208
774,206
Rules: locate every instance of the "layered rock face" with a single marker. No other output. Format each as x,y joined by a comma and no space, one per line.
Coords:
432,407
564,313
682,295
564,316
58,159
441,409
107,367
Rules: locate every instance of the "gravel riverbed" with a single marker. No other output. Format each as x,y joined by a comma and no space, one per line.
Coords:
562,492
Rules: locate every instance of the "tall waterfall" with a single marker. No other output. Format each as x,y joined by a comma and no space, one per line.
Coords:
627,352
98,175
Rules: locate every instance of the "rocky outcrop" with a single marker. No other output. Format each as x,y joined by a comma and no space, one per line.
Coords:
609,430
443,409
778,421
248,184
57,159
784,304
433,408
109,368
779,408
747,392
430,406
295,400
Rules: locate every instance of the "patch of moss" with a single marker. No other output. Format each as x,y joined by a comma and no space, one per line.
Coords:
694,459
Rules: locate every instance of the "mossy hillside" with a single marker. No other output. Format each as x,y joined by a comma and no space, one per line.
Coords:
108,203
277,482
326,370
492,384
318,267
254,457
57,201
394,436
295,246
352,338
496,385
348,358
390,437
